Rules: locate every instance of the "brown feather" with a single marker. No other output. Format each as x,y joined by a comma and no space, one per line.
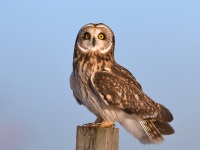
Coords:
164,128
152,132
124,96
109,90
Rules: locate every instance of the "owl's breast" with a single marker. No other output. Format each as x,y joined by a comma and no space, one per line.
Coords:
82,87
84,67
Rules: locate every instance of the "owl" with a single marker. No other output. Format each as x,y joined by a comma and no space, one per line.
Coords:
110,91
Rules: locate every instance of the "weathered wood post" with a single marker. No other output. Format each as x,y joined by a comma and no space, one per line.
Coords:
96,138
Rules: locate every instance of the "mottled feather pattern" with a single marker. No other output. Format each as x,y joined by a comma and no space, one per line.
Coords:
118,93
125,75
110,91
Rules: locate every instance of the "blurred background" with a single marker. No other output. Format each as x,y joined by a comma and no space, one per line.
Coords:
158,41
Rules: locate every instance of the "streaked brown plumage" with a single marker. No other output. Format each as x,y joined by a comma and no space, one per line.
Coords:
110,91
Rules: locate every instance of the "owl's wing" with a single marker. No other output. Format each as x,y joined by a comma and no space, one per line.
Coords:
125,75
116,92
75,88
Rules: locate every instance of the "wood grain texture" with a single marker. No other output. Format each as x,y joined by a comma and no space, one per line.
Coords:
91,138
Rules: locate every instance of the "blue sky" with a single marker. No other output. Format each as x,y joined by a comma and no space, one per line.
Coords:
158,41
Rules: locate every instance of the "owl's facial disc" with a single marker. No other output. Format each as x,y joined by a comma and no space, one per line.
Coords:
94,38
94,49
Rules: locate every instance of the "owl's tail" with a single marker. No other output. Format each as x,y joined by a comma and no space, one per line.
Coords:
156,129
146,131
151,131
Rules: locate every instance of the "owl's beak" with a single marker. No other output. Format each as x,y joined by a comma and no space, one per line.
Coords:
93,42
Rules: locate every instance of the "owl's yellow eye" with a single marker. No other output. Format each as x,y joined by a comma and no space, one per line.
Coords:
87,35
101,36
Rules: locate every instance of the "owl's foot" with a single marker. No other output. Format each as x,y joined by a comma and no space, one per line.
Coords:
107,125
92,124
103,125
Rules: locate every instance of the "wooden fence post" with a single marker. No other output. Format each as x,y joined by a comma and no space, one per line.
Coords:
96,138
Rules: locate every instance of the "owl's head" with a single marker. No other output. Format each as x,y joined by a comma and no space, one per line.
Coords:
95,38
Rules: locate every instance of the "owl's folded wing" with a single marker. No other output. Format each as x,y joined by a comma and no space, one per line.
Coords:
116,92
74,87
124,74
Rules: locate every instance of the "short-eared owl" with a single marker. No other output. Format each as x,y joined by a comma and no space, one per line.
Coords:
110,91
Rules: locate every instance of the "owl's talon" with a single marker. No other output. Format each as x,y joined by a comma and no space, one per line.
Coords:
86,124
91,125
108,125
98,124
102,125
